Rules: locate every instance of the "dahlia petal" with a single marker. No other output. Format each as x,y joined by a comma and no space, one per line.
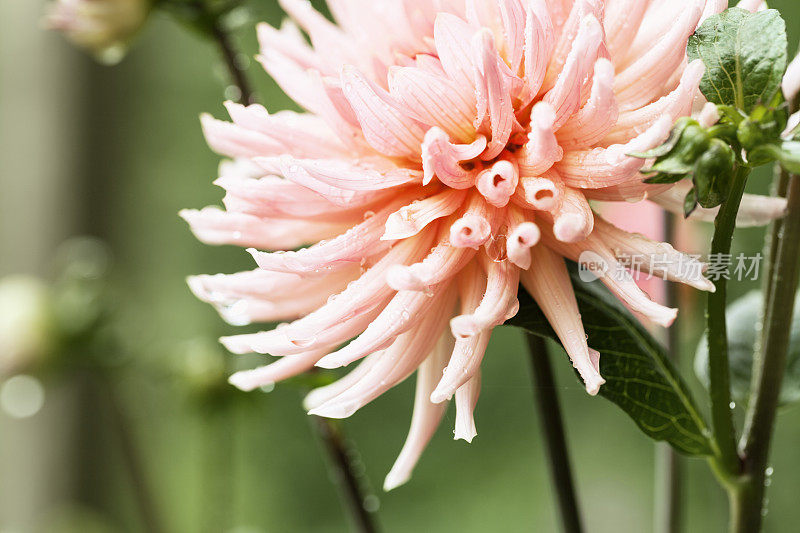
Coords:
274,342
386,126
425,419
442,263
498,182
495,108
466,399
443,159
539,38
411,219
791,80
676,104
565,96
320,395
642,81
367,292
604,167
360,241
435,101
284,368
542,148
513,15
276,197
573,220
579,11
597,117
474,227
452,36
622,20
404,312
752,5
302,134
755,210
616,277
665,260
713,7
549,284
367,175
289,41
394,364
523,234
234,141
708,116
498,304
212,225
542,194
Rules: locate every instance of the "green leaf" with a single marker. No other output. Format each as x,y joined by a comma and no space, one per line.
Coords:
742,317
689,202
639,377
745,56
662,177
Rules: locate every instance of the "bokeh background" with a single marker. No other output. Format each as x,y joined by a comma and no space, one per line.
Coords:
114,153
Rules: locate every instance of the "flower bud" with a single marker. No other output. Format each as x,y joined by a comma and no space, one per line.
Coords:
103,27
712,173
26,331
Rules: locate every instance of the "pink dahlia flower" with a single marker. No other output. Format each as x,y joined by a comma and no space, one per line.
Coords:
449,152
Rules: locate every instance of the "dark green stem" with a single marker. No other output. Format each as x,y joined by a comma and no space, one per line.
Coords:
229,56
120,424
669,472
545,392
718,367
769,364
351,485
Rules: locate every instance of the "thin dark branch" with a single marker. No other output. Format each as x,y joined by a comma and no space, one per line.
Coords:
229,55
550,420
121,425
352,487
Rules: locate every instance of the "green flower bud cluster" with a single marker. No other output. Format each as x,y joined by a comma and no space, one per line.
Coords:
709,156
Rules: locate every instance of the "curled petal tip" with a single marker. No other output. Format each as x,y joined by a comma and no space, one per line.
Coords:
593,385
570,227
237,345
334,410
465,434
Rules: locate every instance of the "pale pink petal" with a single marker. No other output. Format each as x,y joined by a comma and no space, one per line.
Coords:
676,104
596,118
495,110
443,159
604,167
452,36
498,304
791,80
411,219
542,148
474,227
466,399
549,284
435,101
212,225
384,121
498,182
755,210
644,79
523,234
281,369
442,263
573,220
426,417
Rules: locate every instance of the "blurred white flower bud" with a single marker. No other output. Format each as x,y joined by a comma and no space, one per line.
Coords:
25,323
103,27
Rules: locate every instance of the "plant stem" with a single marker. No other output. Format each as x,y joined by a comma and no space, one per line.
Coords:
229,56
350,483
769,364
121,425
550,420
718,367
669,473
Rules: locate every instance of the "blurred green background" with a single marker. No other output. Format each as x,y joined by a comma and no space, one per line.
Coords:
115,153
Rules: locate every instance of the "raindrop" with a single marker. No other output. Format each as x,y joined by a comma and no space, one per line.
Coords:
269,387
732,405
